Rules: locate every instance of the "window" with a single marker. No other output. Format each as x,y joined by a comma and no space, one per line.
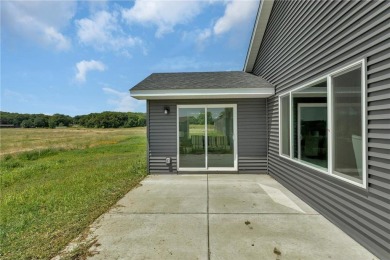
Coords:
310,141
322,124
347,124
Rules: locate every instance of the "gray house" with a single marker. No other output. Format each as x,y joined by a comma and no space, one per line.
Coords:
311,108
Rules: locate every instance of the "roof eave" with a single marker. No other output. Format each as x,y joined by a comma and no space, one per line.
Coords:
263,14
203,93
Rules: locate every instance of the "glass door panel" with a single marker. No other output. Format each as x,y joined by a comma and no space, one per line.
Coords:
220,137
192,150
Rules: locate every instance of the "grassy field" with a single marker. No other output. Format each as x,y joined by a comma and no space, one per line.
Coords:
16,140
56,182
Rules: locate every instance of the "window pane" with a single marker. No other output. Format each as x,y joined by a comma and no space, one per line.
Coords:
347,125
191,138
220,148
285,127
310,136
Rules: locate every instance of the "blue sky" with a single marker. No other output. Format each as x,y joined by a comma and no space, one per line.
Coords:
79,57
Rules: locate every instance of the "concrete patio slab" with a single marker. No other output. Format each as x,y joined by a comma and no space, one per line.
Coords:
218,217
167,194
252,194
151,236
280,236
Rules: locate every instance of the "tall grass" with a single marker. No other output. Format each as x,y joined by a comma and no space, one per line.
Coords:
50,196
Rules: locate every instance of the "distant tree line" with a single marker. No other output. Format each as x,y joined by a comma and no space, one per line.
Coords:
94,120
111,120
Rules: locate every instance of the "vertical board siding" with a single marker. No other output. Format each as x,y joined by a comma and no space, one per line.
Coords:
327,36
251,128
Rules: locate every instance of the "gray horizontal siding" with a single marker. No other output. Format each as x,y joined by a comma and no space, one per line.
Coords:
252,136
158,165
252,142
162,137
303,41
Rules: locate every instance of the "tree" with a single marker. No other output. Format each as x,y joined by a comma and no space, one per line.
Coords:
52,123
132,122
105,119
41,121
27,123
141,121
57,119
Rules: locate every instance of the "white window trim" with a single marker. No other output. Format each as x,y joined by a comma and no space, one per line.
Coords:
328,78
212,169
281,123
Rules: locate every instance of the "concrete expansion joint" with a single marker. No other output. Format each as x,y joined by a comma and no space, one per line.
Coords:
265,213
156,213
208,213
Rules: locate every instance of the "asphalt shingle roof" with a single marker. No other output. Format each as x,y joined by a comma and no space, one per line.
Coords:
202,80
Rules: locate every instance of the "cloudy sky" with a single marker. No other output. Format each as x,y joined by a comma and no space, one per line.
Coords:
79,57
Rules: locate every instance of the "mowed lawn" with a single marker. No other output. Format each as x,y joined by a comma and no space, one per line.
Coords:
68,178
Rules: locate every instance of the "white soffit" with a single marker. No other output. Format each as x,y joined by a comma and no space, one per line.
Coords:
258,33
203,93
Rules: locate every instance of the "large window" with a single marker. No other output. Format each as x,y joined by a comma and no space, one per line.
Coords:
322,124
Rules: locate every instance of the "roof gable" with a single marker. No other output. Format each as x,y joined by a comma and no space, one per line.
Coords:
263,14
202,85
201,80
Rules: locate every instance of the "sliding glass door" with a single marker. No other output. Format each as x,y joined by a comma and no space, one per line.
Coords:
220,139
192,138
207,137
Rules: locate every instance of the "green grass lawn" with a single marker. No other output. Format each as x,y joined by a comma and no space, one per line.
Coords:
51,195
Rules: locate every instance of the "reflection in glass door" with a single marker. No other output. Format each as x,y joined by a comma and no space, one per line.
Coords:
220,148
207,142
192,148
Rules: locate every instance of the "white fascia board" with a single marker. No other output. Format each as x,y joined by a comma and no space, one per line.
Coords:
258,33
203,93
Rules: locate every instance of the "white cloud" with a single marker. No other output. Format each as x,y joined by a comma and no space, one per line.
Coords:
184,63
237,13
198,36
39,21
18,96
103,32
53,36
165,14
123,102
84,66
203,35
96,5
